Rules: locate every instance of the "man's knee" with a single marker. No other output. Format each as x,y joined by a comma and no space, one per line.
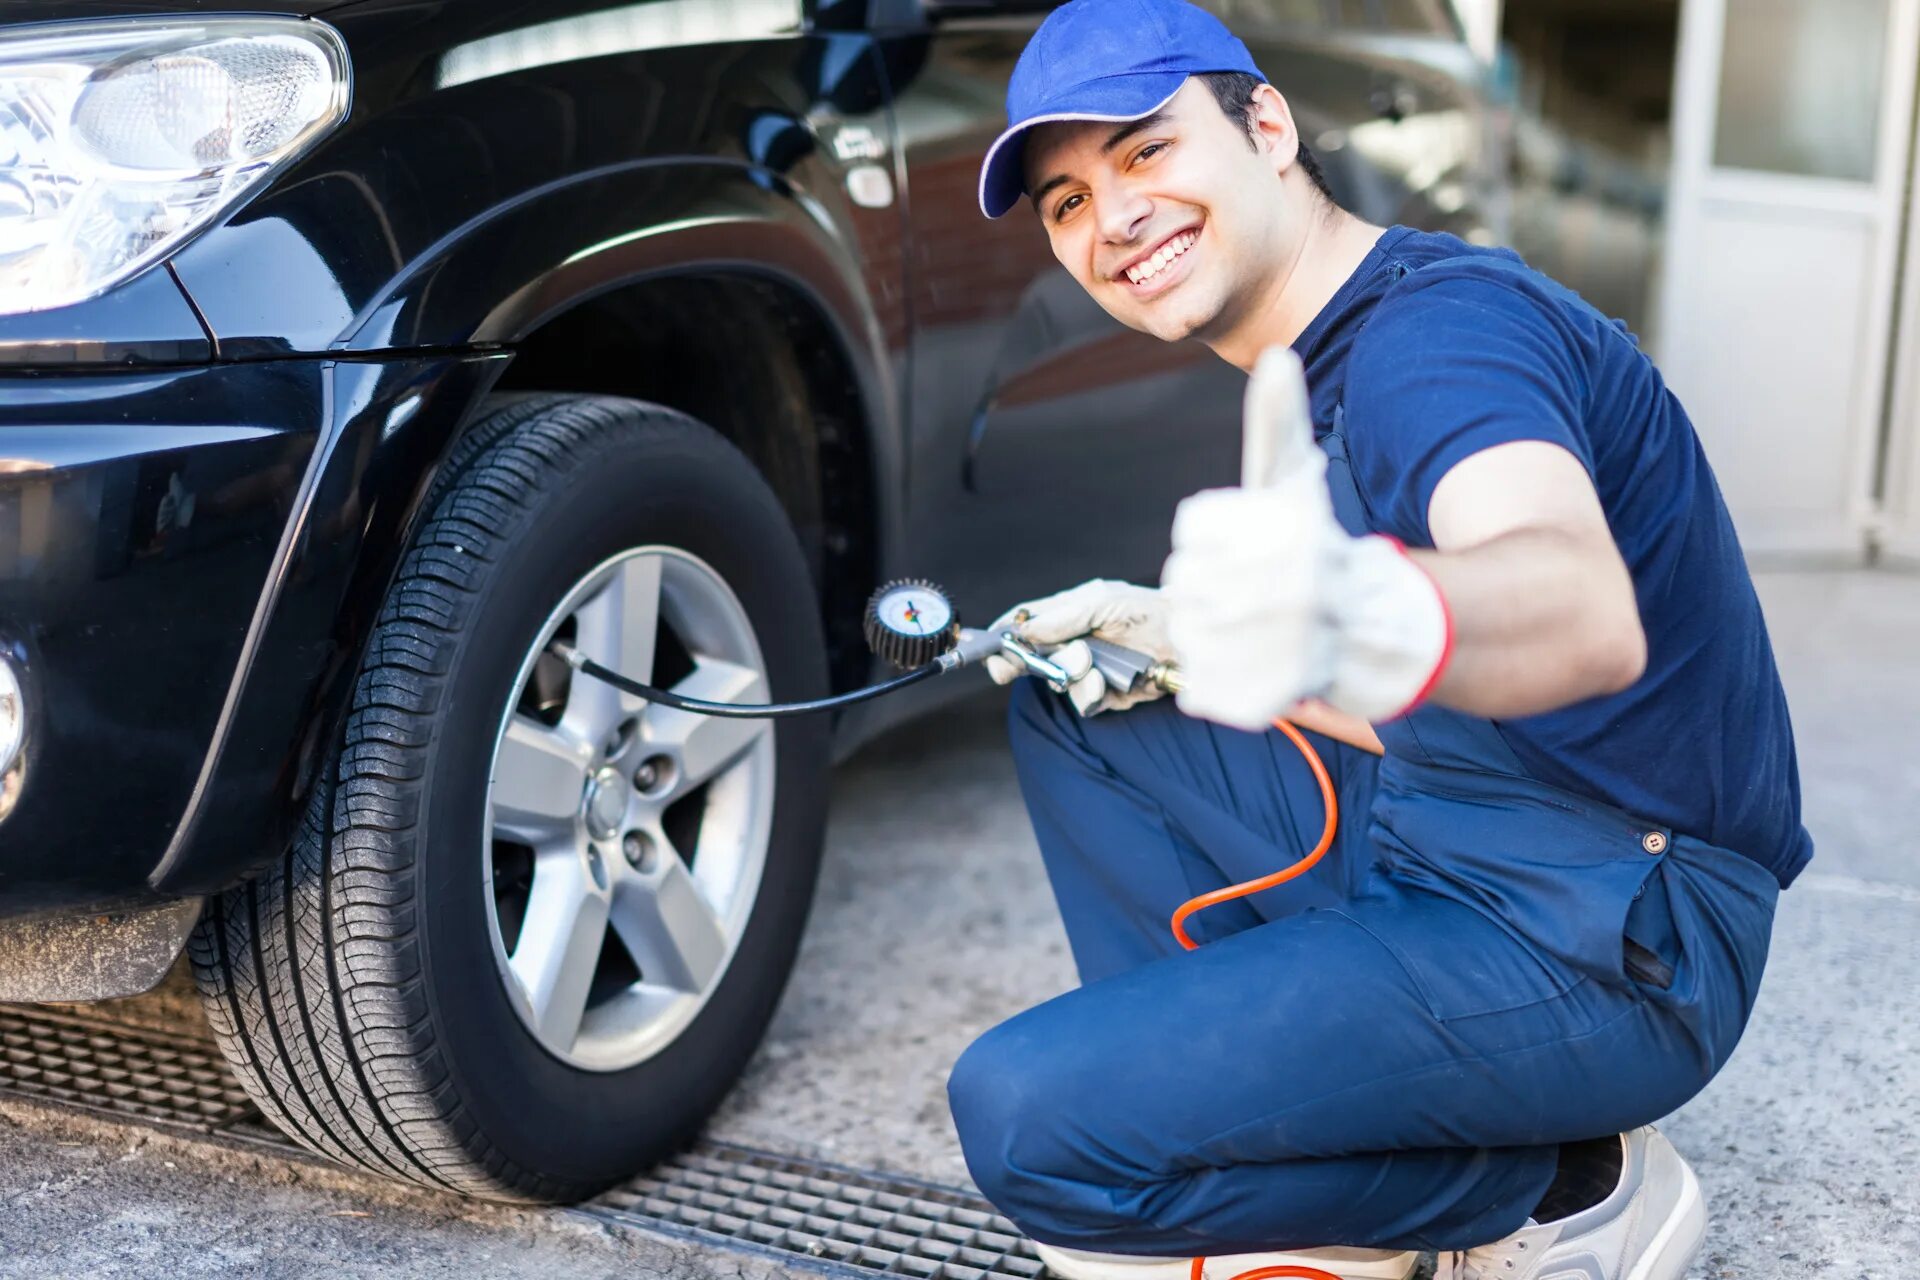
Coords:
1014,1109
993,1092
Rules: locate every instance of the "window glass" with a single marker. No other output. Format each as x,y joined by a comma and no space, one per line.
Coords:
1417,17
1800,87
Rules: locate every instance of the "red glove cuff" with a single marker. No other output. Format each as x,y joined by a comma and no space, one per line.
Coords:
1446,646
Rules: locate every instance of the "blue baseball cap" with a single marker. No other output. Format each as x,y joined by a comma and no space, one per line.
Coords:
1102,60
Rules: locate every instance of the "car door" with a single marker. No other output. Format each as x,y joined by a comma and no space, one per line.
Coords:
1049,444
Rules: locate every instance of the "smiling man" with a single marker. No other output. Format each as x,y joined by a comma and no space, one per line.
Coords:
1487,568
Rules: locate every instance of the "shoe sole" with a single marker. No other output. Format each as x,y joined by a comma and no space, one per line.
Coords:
1673,1247
1221,1267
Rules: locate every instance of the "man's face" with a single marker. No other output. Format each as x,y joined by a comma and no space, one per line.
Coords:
1173,223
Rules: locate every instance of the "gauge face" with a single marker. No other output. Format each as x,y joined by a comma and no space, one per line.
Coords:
914,611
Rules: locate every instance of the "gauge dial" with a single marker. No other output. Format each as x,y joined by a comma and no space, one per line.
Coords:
910,623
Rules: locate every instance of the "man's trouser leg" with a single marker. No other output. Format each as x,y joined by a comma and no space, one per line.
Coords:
1135,812
1364,1062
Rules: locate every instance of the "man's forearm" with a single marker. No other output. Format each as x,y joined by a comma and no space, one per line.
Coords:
1541,619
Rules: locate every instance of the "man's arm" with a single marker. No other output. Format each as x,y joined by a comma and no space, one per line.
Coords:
1543,608
1523,606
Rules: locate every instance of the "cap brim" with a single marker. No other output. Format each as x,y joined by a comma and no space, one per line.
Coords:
1114,98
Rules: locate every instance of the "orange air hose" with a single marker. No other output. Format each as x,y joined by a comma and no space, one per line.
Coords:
1286,873
1241,890
1267,1273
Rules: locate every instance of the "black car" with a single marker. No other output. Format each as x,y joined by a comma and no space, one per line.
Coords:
351,353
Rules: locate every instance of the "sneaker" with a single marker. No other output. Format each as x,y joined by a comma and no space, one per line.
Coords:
1338,1264
1649,1228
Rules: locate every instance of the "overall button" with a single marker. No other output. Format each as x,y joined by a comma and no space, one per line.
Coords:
1654,842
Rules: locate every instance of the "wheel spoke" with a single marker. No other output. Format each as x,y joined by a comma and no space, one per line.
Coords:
669,927
708,744
538,781
559,945
616,628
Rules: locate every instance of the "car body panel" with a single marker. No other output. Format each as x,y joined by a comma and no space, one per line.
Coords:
421,175
138,517
428,223
190,564
146,321
386,427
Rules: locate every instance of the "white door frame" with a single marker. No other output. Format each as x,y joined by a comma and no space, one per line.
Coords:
1698,189
1899,532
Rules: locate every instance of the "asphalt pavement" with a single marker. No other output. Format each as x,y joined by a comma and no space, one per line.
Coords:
934,921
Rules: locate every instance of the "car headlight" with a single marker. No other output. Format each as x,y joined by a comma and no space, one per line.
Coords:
119,139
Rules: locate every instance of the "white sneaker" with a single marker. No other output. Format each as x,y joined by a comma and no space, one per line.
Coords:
1649,1228
1341,1264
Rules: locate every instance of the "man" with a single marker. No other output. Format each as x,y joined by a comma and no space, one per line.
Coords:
1543,921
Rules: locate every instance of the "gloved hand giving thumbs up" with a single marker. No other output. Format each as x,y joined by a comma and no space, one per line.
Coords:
1270,601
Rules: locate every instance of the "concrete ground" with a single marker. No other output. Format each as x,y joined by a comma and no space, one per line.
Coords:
934,922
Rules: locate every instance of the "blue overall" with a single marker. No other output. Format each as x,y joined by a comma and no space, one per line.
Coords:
1386,1052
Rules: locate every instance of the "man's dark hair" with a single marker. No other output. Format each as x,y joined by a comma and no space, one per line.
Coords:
1234,90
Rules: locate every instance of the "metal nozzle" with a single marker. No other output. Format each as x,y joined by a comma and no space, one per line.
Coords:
1126,669
1014,647
973,646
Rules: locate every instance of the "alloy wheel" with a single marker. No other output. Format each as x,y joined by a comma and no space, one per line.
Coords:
624,841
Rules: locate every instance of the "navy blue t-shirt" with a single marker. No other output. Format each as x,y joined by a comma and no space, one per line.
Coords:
1437,349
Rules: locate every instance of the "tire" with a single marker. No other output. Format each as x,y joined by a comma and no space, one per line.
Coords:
369,988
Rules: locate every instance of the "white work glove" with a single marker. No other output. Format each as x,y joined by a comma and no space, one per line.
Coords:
1270,601
1117,612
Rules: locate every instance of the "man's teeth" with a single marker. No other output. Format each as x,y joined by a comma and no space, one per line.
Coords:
1142,272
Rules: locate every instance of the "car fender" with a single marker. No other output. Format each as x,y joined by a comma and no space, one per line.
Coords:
394,418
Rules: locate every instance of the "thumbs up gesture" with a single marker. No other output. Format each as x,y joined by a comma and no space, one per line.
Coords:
1269,601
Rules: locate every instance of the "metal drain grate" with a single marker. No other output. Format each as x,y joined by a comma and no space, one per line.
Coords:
123,1072
863,1221
832,1219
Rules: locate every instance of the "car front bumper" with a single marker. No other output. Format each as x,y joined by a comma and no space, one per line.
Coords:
187,560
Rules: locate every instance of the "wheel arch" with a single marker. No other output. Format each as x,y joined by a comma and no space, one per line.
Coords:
589,281
753,357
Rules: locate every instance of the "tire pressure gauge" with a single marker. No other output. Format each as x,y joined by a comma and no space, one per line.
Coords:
910,623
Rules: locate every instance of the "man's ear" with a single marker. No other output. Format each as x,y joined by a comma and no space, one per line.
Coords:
1273,128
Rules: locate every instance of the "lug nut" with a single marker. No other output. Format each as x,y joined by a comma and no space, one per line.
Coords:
653,774
638,846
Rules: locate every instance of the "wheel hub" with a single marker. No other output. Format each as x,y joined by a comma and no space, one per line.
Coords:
606,804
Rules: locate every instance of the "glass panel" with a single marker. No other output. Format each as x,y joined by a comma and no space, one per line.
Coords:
1305,13
1800,87
1419,17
